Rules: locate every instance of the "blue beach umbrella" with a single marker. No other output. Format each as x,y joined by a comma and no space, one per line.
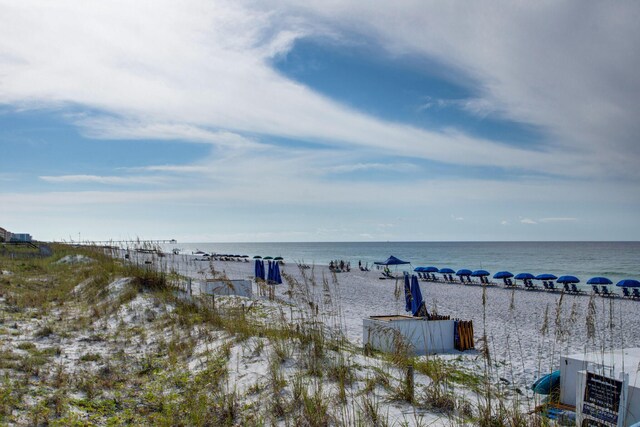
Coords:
261,269
463,272
407,293
416,295
568,279
599,281
276,273
546,276
419,269
628,283
272,274
446,271
431,269
524,276
257,269
503,275
480,273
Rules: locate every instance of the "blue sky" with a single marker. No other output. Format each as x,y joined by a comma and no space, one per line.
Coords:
332,121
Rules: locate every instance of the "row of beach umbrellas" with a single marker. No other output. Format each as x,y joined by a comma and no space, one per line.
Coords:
278,258
627,283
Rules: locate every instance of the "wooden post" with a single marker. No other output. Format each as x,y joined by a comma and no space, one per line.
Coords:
410,383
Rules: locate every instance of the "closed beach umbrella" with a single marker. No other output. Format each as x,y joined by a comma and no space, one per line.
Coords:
463,272
546,276
276,274
524,276
260,269
480,273
503,275
446,271
269,271
599,281
407,293
628,283
569,279
257,269
416,295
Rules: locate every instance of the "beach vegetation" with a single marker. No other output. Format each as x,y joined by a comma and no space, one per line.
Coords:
136,351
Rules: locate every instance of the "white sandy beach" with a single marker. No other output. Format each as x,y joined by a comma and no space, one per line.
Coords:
522,344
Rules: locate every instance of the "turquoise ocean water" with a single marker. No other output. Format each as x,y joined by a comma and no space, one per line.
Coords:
615,260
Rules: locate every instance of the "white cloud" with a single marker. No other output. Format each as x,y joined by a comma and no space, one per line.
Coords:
172,168
569,68
357,167
527,221
201,71
504,222
97,179
557,219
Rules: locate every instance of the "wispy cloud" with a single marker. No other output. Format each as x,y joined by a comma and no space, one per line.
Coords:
172,168
527,221
210,78
357,167
557,219
97,179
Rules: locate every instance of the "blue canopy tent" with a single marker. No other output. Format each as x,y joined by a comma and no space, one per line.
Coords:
392,261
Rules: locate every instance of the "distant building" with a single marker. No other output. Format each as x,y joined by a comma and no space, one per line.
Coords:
5,236
20,237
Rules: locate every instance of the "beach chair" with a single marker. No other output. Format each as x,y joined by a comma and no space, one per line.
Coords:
575,289
606,292
545,285
508,283
635,293
626,293
552,286
451,279
566,288
595,289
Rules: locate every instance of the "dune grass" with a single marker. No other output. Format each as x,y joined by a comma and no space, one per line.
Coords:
80,345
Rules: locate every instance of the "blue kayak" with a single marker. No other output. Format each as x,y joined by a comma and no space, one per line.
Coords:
547,383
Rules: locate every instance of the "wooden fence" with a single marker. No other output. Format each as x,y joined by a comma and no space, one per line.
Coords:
463,336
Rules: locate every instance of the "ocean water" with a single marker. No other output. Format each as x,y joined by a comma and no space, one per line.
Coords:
615,260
